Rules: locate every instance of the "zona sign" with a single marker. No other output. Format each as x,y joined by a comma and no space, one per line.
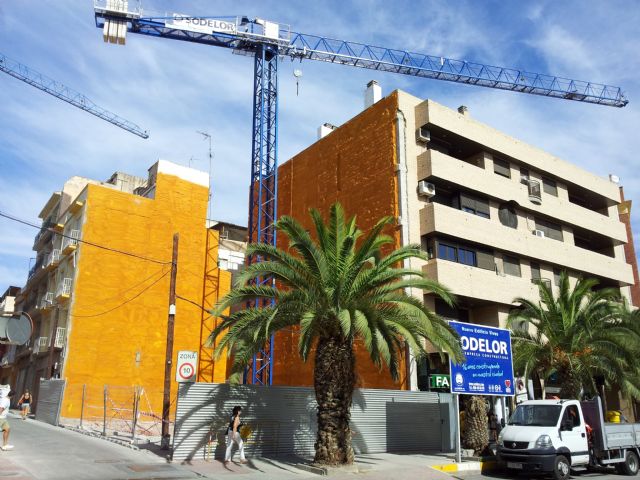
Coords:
186,366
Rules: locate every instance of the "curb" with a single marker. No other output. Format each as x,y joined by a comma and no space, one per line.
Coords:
481,466
331,471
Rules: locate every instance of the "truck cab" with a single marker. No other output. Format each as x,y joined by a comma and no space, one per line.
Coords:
545,436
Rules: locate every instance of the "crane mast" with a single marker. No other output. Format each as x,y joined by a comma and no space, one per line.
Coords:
61,91
267,41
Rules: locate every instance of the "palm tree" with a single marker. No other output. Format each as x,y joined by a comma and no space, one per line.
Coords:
336,290
578,335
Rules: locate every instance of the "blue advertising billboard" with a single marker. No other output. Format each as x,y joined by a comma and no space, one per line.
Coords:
489,367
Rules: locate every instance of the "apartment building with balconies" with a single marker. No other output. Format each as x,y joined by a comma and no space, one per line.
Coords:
98,291
7,352
495,216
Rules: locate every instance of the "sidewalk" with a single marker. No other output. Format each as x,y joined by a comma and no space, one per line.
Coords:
46,452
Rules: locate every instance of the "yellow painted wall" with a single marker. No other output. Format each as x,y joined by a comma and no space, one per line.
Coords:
355,165
120,303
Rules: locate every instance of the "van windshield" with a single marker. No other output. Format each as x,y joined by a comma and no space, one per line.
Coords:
536,415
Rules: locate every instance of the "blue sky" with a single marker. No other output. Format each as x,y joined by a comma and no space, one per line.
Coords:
176,88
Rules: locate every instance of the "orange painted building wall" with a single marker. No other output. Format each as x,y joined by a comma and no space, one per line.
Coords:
355,165
119,305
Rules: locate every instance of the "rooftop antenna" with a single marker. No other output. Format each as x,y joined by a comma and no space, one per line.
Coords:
207,136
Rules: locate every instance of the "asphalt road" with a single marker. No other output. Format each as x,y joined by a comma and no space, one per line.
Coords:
606,474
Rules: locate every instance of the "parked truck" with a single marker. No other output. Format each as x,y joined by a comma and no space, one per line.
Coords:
555,436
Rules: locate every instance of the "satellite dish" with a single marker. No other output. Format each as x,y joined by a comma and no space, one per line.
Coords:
15,330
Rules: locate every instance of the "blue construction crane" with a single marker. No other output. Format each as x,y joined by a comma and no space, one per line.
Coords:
267,41
57,89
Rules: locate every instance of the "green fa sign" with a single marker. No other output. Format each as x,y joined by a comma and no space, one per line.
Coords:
439,381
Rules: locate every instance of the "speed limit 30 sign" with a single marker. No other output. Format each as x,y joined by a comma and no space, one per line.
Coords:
186,369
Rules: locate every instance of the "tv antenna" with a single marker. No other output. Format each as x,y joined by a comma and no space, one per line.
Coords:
207,136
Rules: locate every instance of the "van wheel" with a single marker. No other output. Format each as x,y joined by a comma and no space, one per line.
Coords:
561,468
631,464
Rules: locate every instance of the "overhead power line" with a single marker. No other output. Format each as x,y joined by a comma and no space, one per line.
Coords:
123,303
103,247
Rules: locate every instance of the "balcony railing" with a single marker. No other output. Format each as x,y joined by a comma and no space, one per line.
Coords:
53,258
40,345
61,334
64,289
70,242
47,301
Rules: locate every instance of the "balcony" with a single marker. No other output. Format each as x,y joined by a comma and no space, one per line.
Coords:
439,218
52,259
76,206
46,303
61,334
41,345
64,290
70,242
436,165
474,282
43,235
37,269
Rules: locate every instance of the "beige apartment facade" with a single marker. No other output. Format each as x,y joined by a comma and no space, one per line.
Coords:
495,215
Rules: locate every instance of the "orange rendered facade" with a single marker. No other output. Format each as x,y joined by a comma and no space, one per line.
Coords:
117,312
356,166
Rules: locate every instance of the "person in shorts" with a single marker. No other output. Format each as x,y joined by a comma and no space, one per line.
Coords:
5,403
25,404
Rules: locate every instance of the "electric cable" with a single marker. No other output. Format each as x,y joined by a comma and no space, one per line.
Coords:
123,303
115,250
126,289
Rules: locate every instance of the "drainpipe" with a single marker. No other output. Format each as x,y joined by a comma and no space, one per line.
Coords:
403,220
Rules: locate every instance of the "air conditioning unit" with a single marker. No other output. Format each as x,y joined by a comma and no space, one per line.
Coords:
426,189
539,233
423,135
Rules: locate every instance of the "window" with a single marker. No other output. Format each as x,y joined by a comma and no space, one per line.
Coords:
535,272
511,265
467,257
447,252
524,176
549,186
501,167
507,215
486,260
474,205
551,230
556,277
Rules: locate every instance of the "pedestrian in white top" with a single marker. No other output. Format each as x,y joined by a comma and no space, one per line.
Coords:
5,403
233,436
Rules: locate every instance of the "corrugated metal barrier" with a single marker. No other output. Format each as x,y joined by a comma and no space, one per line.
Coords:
49,400
283,420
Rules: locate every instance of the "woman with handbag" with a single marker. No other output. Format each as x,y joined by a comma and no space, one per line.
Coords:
233,436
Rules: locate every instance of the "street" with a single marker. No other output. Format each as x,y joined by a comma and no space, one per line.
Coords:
609,474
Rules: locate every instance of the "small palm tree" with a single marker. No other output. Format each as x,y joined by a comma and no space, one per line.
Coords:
578,335
336,290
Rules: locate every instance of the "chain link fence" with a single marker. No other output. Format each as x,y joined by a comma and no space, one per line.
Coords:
132,412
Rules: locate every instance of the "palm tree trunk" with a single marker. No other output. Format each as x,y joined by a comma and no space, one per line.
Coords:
570,386
334,379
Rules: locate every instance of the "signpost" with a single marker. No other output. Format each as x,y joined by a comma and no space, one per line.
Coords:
488,369
186,366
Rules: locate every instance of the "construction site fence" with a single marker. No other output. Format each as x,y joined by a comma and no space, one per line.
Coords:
129,411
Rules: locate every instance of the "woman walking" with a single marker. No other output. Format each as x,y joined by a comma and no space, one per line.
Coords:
233,436
25,404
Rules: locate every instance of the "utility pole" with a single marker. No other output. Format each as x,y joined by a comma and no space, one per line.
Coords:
52,342
166,401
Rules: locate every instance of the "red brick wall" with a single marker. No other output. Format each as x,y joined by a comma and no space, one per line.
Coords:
624,211
354,165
